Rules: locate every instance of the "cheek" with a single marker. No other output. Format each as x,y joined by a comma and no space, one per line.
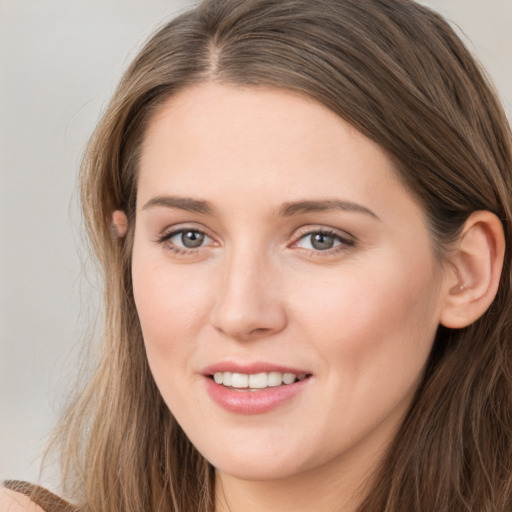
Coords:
373,333
375,321
172,305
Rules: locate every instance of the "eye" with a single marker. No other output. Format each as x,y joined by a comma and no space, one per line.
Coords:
186,239
322,240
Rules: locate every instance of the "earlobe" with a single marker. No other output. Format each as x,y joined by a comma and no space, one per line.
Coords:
476,265
119,224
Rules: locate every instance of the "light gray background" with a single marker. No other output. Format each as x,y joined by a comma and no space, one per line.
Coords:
59,63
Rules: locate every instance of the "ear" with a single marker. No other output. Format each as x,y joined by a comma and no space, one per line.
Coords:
475,270
119,224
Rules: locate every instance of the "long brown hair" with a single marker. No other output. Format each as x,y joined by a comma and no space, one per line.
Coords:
397,72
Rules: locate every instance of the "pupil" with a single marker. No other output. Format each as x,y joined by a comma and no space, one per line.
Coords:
192,239
322,241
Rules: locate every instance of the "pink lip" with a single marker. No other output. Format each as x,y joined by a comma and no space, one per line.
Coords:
252,402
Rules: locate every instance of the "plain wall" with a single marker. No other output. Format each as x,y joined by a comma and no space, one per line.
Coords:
59,63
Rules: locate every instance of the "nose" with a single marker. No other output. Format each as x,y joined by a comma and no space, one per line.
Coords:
250,302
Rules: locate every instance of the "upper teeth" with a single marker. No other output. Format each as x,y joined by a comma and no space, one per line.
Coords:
255,380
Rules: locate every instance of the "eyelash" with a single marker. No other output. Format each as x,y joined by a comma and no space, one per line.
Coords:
180,251
343,243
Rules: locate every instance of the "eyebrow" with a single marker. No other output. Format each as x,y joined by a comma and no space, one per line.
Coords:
287,210
299,207
182,203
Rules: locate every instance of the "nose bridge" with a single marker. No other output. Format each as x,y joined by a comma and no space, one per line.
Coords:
248,303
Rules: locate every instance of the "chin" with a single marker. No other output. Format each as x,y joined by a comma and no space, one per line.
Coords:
256,470
260,462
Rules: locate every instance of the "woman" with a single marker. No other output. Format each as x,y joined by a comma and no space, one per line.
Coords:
302,209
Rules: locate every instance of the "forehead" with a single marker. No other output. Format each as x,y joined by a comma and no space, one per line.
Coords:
228,142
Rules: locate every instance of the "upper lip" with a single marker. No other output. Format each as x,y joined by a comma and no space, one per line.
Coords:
251,368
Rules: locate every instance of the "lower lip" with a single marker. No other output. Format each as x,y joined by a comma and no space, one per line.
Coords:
253,402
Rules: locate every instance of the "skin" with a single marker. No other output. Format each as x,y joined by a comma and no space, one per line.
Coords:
360,318
11,501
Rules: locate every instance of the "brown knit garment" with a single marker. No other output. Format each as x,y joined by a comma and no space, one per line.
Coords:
40,496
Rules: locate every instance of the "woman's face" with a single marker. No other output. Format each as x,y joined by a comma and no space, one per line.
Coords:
275,248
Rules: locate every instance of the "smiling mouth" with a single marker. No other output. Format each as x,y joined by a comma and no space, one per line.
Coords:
256,381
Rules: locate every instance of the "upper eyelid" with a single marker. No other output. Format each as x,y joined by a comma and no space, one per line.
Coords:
178,228
311,229
175,232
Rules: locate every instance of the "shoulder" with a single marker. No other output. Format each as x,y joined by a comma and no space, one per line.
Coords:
12,501
17,496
